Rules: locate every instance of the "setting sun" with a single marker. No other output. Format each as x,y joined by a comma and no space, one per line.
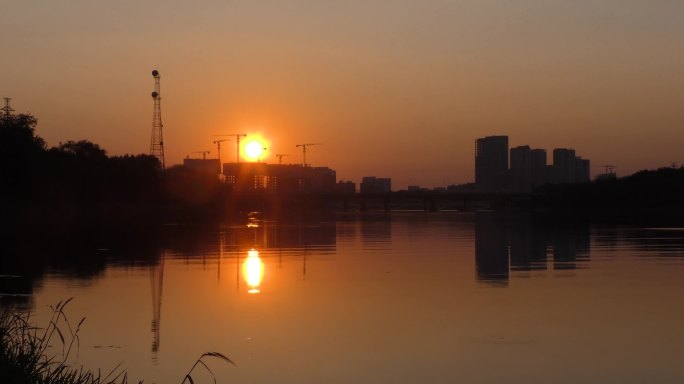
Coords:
254,149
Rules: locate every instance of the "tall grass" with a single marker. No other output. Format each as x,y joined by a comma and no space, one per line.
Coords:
200,362
25,359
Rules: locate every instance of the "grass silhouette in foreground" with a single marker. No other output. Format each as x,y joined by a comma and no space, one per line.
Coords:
24,355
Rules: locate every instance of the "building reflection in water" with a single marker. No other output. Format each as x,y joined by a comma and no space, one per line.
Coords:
253,271
505,243
528,245
571,246
491,249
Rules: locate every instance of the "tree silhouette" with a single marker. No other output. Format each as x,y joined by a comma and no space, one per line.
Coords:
83,150
17,135
21,153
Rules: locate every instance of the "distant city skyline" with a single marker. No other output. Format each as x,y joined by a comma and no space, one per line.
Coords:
398,88
522,169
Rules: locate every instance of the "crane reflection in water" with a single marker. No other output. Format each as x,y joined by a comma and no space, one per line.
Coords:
253,271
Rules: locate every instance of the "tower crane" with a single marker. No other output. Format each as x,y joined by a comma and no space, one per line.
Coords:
218,149
609,172
204,154
609,168
304,146
280,157
237,140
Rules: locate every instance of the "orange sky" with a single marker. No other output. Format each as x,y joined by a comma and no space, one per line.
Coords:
390,88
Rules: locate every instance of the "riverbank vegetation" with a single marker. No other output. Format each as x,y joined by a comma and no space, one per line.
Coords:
31,355
35,355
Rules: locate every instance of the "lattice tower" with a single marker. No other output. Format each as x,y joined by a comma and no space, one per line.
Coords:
157,142
7,109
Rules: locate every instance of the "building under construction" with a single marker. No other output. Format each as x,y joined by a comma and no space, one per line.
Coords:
250,177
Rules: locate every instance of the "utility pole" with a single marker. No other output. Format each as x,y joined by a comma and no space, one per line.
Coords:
304,146
157,142
280,157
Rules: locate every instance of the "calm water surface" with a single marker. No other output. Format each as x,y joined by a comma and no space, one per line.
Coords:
401,298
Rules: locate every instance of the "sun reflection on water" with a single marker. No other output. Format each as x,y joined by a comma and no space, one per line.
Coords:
253,271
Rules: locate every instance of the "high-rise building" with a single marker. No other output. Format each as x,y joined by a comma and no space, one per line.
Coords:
528,167
538,167
521,169
568,168
491,163
564,165
582,170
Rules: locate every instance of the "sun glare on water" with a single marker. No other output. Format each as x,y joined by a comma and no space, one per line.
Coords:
253,271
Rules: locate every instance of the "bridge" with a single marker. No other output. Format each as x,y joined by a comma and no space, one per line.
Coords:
427,201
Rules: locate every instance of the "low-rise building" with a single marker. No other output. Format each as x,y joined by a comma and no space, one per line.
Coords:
345,187
372,184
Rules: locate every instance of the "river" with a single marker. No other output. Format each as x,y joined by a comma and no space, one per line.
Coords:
378,298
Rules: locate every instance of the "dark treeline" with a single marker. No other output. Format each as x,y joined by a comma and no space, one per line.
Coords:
77,180
649,194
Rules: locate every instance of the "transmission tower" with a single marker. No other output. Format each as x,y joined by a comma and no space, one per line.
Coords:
7,110
157,280
157,142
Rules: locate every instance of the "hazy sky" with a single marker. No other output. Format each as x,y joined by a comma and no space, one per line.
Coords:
391,88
